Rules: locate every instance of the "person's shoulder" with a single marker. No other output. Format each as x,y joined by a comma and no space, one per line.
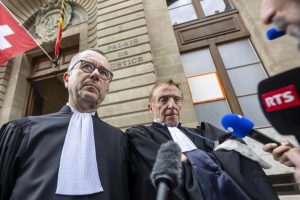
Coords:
110,127
18,123
141,130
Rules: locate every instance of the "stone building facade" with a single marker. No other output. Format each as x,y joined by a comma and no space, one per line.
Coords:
212,47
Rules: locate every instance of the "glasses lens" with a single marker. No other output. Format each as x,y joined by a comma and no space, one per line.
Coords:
104,74
90,67
87,67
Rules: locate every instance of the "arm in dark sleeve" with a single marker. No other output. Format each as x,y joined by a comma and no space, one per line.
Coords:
13,140
143,151
142,144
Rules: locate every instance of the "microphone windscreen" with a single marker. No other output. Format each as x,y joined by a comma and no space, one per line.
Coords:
167,164
279,100
238,125
273,33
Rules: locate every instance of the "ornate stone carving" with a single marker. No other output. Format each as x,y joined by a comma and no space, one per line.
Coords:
47,20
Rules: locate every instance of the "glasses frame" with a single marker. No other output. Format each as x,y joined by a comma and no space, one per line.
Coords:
99,68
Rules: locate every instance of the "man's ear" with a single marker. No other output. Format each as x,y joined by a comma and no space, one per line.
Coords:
66,79
150,107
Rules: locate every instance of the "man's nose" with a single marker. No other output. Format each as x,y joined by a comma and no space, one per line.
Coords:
95,74
171,103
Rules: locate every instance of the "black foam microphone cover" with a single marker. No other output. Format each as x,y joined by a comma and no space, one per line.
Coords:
167,167
279,100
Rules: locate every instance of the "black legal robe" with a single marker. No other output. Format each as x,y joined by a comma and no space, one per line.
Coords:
30,151
144,142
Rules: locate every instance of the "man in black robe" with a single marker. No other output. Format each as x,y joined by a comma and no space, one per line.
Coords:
31,149
242,175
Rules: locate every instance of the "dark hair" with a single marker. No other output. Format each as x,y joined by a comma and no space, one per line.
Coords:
170,82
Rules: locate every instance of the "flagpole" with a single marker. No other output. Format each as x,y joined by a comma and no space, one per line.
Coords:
27,32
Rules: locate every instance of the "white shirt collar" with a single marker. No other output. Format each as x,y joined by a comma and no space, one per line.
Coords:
74,109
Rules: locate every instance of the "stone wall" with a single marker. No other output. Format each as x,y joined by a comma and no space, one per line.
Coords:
278,55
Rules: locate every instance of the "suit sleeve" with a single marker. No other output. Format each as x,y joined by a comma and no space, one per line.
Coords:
143,151
13,140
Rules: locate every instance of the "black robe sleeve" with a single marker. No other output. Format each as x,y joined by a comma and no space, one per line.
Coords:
13,140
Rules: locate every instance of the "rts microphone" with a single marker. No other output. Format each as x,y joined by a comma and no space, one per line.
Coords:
240,127
273,33
279,100
166,172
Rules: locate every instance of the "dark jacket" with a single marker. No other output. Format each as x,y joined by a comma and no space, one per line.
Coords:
145,141
30,151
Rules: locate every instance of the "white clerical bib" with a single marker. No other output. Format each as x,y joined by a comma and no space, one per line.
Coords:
78,171
181,139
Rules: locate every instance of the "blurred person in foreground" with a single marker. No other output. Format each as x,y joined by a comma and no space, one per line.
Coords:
284,14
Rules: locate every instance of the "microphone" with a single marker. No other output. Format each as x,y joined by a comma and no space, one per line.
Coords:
279,100
273,33
240,127
166,172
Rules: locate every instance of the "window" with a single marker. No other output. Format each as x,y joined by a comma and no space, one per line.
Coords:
212,7
187,10
200,63
181,11
242,68
245,72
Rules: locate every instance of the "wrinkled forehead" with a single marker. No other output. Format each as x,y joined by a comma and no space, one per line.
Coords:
166,90
95,58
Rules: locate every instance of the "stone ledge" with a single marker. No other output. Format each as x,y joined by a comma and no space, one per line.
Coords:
123,27
120,20
118,7
123,35
132,82
106,48
133,71
127,95
119,13
124,108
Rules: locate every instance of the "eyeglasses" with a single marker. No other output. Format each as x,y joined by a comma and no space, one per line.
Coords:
89,67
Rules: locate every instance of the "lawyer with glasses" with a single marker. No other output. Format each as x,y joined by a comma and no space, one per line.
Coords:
70,154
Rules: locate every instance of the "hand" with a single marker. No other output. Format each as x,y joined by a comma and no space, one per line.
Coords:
279,152
267,11
294,156
183,158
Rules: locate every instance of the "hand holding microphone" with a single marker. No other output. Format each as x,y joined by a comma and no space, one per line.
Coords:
240,127
280,153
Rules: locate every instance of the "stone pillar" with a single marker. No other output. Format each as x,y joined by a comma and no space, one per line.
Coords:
123,37
278,55
166,56
13,104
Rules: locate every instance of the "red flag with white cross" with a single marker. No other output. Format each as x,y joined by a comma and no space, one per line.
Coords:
14,39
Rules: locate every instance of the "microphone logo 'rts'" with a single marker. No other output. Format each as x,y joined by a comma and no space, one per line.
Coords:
285,97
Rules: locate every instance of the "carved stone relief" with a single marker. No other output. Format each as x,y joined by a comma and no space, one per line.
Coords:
47,20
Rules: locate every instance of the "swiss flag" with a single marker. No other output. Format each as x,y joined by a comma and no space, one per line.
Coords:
13,37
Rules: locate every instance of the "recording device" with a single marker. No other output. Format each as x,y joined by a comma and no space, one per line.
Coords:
166,172
273,33
240,127
279,100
